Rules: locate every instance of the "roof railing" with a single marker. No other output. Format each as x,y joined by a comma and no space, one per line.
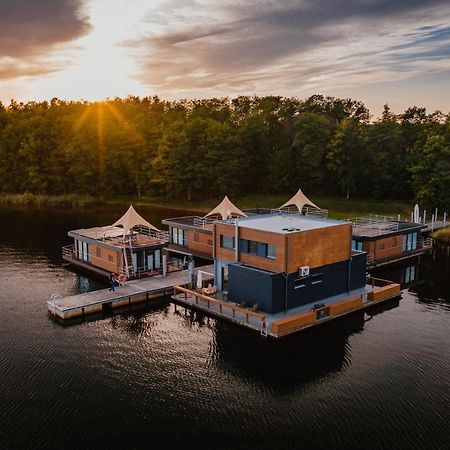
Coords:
382,224
204,222
306,211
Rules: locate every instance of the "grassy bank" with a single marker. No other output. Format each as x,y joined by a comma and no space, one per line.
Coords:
67,200
442,235
338,207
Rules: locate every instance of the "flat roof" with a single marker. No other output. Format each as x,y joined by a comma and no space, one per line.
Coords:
197,222
287,223
99,232
384,228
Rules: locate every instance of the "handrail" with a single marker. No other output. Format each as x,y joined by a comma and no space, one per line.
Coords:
221,303
379,282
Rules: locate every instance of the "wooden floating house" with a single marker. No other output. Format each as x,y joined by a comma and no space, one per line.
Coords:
280,272
131,246
386,240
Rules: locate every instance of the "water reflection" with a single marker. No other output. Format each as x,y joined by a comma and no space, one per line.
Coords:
426,277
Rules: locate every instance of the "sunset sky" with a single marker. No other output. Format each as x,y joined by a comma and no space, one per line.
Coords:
378,51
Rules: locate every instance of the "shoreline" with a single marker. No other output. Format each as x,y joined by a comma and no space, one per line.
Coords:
339,207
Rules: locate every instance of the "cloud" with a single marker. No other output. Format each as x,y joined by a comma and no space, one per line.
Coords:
31,29
290,47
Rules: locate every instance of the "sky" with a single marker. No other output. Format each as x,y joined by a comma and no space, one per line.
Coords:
377,51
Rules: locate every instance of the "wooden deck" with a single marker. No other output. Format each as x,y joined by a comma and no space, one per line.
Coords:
132,292
297,319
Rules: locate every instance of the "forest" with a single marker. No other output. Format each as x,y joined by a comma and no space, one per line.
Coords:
199,149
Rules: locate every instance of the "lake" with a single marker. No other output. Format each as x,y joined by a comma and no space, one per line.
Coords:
159,376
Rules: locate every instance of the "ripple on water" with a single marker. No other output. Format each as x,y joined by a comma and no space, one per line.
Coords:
160,376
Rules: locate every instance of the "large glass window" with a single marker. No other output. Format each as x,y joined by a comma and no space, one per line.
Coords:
409,242
157,259
179,236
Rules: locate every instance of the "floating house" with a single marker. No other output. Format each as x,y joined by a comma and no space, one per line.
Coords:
282,271
192,237
386,240
131,246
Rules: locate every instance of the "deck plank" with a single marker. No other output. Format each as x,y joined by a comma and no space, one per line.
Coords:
151,285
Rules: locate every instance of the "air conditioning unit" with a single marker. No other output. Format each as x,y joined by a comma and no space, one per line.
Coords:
303,271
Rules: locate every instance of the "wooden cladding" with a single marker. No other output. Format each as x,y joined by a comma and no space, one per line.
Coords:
319,247
106,259
200,242
384,292
314,248
276,264
292,323
345,306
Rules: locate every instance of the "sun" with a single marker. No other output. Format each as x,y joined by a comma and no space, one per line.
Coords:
99,65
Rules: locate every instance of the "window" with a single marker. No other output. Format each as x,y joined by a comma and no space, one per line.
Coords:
157,259
271,251
227,242
357,245
257,248
261,249
179,236
244,245
317,278
196,237
110,258
409,242
98,252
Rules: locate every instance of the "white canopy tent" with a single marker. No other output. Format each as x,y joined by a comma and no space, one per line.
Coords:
299,200
132,219
226,209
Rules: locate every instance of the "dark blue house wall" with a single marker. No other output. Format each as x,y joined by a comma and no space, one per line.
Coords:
268,290
256,286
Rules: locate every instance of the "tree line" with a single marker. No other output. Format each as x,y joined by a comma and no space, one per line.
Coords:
197,149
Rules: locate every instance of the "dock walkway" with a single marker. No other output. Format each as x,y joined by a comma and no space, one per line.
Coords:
132,292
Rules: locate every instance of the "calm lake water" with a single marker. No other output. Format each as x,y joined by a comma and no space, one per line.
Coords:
156,377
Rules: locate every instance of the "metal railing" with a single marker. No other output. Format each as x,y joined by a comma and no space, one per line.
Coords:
223,308
204,222
306,211
68,251
381,224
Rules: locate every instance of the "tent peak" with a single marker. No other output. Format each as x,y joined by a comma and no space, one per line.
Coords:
131,219
226,209
299,200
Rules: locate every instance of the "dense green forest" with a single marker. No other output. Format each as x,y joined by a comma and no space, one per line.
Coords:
197,149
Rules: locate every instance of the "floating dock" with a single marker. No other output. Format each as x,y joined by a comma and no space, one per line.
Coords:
283,324
131,292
